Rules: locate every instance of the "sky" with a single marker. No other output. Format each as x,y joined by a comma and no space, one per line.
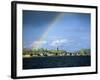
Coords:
65,30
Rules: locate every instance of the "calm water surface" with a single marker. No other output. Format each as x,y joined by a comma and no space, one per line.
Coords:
54,62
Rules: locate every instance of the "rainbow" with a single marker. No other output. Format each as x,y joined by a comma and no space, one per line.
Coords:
49,27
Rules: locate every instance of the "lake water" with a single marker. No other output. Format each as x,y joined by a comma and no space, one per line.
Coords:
54,62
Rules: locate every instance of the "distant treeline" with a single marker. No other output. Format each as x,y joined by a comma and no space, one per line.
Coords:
53,52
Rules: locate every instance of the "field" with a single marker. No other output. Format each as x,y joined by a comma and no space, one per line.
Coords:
45,52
